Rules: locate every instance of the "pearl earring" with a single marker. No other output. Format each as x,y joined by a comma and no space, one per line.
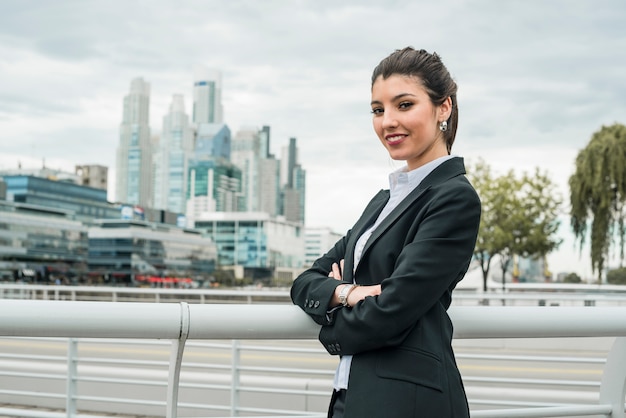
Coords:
443,126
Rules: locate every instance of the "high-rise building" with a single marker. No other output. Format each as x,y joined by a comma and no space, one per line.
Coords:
134,154
214,186
171,159
207,96
213,140
293,181
245,154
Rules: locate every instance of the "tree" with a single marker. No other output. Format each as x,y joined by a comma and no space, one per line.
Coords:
572,278
519,217
616,276
493,193
598,192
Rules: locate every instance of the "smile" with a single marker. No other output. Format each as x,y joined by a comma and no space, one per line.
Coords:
394,139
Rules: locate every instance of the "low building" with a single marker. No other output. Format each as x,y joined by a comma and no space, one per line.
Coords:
86,203
318,241
254,241
134,252
41,245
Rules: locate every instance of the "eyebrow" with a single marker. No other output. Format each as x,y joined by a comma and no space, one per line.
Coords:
395,98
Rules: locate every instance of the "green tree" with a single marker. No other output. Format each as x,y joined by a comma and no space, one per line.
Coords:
598,192
572,278
616,276
519,217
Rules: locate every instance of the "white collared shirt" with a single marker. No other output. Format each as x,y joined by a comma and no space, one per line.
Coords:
401,183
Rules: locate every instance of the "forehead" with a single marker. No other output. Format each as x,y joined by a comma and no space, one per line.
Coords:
397,84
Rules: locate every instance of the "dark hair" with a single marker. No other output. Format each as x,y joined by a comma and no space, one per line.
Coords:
434,76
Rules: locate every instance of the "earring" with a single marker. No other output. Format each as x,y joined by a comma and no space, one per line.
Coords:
443,126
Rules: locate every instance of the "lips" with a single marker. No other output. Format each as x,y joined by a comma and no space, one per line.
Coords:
394,139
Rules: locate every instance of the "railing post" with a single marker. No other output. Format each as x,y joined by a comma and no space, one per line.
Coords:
176,358
613,386
235,379
72,374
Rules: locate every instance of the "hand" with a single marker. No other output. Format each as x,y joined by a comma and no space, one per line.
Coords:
361,292
335,273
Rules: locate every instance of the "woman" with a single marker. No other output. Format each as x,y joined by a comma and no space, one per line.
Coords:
382,292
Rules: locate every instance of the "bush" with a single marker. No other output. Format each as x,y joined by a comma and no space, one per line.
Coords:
616,276
572,278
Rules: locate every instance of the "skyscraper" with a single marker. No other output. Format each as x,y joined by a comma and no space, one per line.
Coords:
134,154
245,150
171,159
207,96
293,181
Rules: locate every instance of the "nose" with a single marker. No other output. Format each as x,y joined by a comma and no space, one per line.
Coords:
389,120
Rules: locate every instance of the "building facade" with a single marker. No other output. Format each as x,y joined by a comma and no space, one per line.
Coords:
41,245
317,243
84,203
207,96
254,240
133,183
171,159
93,175
133,252
214,186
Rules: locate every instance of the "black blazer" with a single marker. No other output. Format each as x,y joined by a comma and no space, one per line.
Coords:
403,364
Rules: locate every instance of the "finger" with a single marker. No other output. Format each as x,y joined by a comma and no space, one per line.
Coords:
341,265
336,272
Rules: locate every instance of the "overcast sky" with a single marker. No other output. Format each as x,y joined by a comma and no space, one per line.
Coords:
536,79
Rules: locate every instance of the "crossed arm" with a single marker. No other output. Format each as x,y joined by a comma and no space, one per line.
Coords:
357,294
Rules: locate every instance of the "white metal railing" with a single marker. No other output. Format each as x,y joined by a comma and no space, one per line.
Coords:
516,294
180,322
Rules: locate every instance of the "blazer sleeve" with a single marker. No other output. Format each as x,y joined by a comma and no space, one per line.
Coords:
426,270
313,290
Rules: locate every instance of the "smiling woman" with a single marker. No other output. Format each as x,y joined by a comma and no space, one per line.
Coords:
382,292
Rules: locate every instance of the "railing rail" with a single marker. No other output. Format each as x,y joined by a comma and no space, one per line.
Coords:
180,322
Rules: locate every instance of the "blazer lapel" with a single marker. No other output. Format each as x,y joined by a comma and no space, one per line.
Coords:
369,216
445,171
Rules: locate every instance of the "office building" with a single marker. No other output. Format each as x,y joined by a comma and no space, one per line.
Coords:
171,159
317,242
255,241
133,183
41,244
213,140
82,203
139,252
207,96
245,154
214,186
93,175
293,181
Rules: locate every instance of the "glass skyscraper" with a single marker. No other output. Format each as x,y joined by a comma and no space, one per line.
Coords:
134,154
171,159
207,96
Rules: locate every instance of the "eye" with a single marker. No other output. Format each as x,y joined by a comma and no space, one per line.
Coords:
377,111
405,105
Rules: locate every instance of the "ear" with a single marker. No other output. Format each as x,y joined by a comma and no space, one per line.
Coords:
445,109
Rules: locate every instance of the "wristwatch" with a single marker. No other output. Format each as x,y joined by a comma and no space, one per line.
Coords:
344,292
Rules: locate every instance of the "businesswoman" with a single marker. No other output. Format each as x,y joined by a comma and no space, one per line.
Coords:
382,292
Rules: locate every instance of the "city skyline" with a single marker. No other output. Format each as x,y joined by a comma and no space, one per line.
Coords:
536,79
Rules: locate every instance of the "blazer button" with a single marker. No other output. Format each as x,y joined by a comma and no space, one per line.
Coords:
337,347
317,303
310,304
